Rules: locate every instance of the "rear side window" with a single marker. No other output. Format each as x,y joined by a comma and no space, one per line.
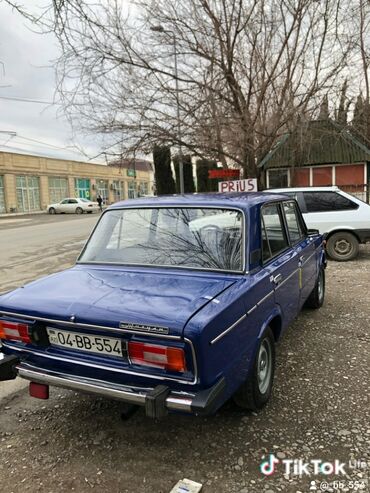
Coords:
293,222
327,202
274,239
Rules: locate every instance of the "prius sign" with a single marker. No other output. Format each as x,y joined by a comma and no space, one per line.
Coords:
248,185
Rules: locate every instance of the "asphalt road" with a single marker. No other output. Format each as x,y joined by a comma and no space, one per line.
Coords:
319,408
35,246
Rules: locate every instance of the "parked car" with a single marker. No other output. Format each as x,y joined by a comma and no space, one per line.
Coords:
73,206
169,306
345,218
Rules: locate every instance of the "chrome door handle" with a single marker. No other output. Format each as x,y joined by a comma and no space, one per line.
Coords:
301,258
276,279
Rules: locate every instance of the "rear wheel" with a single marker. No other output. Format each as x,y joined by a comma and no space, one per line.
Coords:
79,210
52,210
256,391
342,246
316,298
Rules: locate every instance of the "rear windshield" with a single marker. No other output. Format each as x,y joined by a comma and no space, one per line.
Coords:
180,237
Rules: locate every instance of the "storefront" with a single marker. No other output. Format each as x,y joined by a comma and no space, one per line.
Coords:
82,187
102,189
132,190
31,183
143,188
118,191
28,193
2,196
58,189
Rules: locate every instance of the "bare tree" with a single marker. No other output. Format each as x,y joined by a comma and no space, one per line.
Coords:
248,70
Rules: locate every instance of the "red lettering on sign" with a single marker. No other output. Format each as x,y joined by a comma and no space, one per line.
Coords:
223,173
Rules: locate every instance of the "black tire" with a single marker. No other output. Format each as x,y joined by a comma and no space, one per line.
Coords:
254,393
52,210
316,298
79,210
342,246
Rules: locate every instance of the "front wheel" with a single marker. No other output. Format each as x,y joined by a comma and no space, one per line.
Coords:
256,391
52,210
342,246
79,210
316,298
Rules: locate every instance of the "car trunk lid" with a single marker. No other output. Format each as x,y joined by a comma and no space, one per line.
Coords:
113,298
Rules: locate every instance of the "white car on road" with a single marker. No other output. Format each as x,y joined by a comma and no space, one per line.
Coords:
73,206
344,218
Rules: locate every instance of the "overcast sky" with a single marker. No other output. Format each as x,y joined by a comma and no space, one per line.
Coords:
26,72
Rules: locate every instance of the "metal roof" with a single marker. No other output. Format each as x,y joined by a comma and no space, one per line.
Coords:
314,143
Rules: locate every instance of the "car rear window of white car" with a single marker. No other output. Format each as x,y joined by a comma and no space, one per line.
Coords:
198,238
327,202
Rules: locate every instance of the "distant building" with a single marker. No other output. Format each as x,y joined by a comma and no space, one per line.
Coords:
132,167
319,153
29,183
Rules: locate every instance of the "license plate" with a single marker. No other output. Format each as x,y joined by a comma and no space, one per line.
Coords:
108,346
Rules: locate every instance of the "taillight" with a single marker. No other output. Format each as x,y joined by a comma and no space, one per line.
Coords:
164,357
14,331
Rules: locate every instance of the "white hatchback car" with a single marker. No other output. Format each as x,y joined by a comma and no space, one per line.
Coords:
73,206
345,218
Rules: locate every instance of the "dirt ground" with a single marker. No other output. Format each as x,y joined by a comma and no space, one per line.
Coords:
319,410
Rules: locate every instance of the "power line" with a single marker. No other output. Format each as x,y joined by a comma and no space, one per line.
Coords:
27,100
41,142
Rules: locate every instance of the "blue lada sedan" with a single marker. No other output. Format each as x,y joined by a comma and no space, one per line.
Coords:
175,304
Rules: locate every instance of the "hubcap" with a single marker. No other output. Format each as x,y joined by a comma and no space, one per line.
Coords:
342,247
264,366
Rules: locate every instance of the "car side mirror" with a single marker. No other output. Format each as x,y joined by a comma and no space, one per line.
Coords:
313,232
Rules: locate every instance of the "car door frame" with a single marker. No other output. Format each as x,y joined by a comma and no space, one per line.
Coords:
72,206
306,251
283,269
63,205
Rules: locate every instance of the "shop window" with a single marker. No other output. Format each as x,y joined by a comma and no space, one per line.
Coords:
58,189
28,193
132,190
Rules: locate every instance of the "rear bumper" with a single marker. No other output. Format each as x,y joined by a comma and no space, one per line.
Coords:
158,401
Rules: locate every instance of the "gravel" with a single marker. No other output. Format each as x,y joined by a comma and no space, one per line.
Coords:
319,410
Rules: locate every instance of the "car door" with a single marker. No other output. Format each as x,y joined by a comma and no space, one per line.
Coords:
63,205
305,248
280,260
72,206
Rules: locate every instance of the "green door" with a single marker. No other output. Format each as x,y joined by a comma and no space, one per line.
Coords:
82,187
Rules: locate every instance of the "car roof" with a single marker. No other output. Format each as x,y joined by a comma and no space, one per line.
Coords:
223,200
304,189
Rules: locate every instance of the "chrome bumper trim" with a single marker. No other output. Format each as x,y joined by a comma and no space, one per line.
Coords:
43,354
131,395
